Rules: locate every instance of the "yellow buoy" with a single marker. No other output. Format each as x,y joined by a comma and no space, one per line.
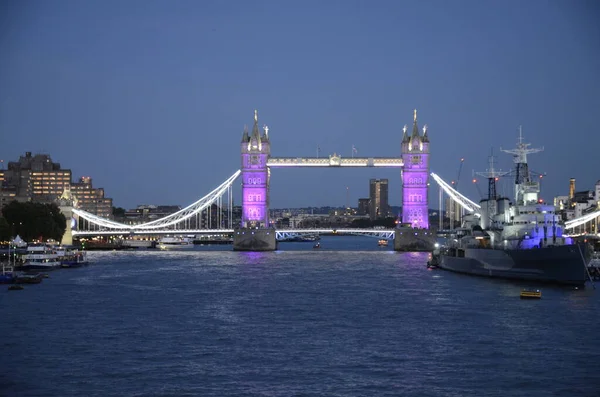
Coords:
531,294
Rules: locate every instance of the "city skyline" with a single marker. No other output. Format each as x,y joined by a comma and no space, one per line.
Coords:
151,101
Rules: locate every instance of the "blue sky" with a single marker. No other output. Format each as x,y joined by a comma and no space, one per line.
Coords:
150,98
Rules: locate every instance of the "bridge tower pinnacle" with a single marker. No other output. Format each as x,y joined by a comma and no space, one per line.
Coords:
415,174
256,150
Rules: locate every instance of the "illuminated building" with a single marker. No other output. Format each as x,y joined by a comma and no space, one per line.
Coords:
91,199
7,193
378,202
363,206
37,178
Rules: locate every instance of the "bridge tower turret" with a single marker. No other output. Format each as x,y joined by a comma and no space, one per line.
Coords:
415,176
255,233
256,150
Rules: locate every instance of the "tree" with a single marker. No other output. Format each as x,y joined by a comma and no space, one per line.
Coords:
35,221
361,223
4,230
118,212
388,223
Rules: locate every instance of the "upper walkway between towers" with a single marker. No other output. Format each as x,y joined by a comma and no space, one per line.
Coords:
335,161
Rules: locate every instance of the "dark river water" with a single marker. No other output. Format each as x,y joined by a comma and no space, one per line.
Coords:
350,319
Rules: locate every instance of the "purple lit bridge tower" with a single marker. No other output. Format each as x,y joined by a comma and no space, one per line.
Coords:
255,232
415,174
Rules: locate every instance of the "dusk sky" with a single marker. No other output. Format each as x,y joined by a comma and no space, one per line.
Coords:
150,98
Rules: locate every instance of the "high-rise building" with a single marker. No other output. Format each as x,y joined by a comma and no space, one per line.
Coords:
378,198
415,174
36,178
91,199
7,193
363,206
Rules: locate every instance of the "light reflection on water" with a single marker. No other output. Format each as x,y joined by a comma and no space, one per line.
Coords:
297,321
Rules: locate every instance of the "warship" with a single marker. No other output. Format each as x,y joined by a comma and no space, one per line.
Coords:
520,240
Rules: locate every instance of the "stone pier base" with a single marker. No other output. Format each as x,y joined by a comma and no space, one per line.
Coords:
409,239
247,239
67,238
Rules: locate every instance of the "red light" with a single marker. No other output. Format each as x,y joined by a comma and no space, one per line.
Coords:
497,179
474,180
540,200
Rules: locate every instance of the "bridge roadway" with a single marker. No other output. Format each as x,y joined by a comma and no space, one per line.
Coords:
281,234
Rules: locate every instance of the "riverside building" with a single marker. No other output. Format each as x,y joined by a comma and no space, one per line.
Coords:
91,199
38,179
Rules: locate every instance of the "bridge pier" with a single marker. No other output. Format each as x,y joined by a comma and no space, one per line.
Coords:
66,202
253,239
410,239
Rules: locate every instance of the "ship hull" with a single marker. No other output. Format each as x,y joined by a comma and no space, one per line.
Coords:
555,264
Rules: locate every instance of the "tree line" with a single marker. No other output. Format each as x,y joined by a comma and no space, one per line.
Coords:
32,221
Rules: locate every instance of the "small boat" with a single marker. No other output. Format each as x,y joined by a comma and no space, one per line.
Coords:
167,243
317,245
29,278
531,294
7,276
382,243
15,287
71,257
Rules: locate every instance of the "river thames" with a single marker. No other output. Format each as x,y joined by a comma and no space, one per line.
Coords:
350,319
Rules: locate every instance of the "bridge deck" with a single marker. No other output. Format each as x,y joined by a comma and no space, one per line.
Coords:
388,232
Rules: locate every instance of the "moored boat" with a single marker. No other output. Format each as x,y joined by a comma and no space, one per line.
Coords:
40,257
7,276
382,243
521,241
35,278
71,257
167,243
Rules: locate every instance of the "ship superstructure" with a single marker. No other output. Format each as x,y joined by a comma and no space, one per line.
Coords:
528,222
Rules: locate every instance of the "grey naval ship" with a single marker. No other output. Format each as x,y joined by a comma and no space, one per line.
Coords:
520,240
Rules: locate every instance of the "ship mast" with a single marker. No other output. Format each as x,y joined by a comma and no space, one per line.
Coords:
525,190
492,176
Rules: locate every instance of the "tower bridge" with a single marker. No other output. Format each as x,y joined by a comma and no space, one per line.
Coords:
256,165
255,233
205,216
